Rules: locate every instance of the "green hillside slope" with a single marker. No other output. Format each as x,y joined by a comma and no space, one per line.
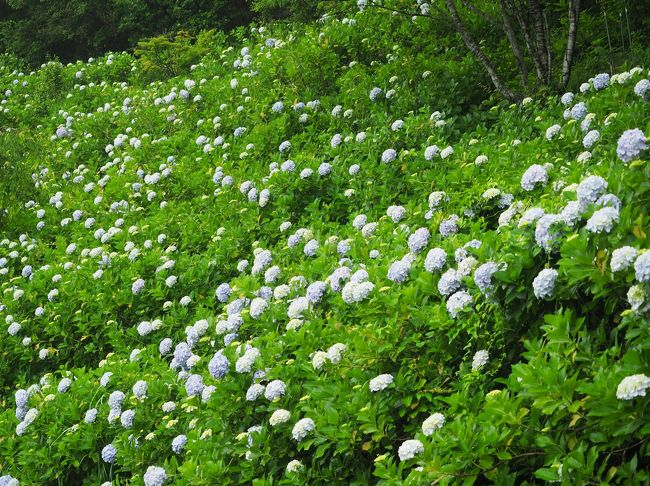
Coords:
293,266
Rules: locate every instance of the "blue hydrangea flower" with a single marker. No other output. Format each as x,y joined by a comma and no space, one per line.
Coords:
399,270
642,267
154,476
91,416
535,174
544,283
579,111
457,302
631,144
590,189
591,138
254,392
219,365
435,260
388,155
126,418
223,292
483,277
194,385
418,240
64,385
449,282
642,89
137,286
179,443
109,453
601,81
274,390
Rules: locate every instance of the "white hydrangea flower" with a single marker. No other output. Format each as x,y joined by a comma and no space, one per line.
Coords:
433,423
409,449
380,382
480,359
632,386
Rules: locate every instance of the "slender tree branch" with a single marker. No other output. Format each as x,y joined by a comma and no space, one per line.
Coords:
514,43
530,45
478,53
574,13
540,37
548,50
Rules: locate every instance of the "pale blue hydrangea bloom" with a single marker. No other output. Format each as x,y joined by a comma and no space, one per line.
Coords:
435,260
64,385
315,291
449,282
483,277
109,453
642,89
609,200
375,93
91,416
567,98
579,111
591,138
274,390
601,81
154,476
223,292
623,258
388,155
534,175
380,382
219,365
449,226
179,443
630,145
590,189
165,346
457,302
418,240
194,385
544,283
544,237
140,389
311,247
480,359
430,152
642,267
302,428
137,286
603,220
399,270
126,418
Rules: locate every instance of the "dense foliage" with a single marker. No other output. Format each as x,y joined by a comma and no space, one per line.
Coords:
303,262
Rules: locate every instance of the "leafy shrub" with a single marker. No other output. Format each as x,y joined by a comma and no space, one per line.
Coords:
170,55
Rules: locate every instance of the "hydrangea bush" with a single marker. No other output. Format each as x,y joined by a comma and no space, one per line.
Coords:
263,275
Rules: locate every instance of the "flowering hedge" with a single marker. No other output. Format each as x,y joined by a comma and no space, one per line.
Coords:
232,279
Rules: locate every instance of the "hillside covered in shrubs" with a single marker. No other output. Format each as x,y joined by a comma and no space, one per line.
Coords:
304,261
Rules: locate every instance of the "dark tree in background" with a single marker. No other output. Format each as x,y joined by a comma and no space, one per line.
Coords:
520,47
36,30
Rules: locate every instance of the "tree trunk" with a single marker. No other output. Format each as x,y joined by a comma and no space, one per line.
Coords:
540,36
549,62
530,45
514,43
478,53
574,14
